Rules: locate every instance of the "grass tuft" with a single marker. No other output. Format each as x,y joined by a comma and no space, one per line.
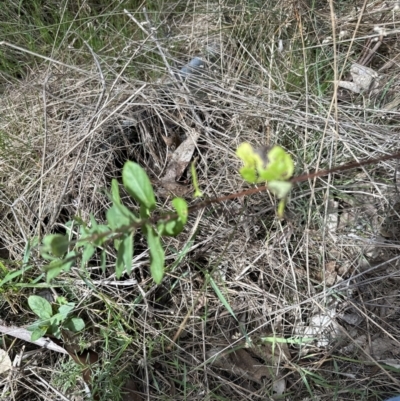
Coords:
84,88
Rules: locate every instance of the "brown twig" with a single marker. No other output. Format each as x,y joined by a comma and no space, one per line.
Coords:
299,178
247,192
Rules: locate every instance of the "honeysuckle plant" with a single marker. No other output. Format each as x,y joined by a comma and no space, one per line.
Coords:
271,165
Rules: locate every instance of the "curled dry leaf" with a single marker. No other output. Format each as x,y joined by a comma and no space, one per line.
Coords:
332,218
363,79
177,165
330,273
174,188
245,362
240,363
391,226
279,387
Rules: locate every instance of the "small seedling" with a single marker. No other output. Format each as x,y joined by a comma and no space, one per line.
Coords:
274,165
51,322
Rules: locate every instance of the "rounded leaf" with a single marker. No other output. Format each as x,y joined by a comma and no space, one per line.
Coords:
39,333
250,158
280,165
64,310
264,164
75,324
40,306
57,244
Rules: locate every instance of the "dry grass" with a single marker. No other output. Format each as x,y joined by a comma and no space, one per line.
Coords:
64,134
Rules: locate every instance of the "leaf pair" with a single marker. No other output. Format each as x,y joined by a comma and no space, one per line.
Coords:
264,164
273,165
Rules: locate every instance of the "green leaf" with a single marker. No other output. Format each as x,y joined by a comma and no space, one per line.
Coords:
115,218
221,296
175,226
124,255
77,219
144,212
115,191
66,309
56,320
249,174
40,306
117,243
157,255
119,215
265,165
53,272
35,325
197,192
61,300
103,260
127,245
250,158
93,222
57,244
38,333
87,253
100,229
138,185
170,228
55,267
119,264
181,207
54,329
74,324
279,166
